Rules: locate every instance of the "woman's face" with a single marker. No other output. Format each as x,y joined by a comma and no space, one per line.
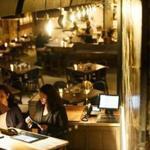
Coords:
43,98
3,98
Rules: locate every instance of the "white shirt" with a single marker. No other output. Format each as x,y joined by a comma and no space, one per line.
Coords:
3,120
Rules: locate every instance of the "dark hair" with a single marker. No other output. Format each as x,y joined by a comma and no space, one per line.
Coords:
53,98
10,99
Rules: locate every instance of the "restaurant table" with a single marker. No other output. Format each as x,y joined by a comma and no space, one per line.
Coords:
59,45
16,48
16,73
15,44
9,142
69,96
85,70
2,51
77,94
19,69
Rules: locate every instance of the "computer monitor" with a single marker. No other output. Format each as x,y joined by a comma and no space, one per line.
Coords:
109,102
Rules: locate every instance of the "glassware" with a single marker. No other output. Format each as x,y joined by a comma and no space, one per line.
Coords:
75,67
87,86
60,92
87,91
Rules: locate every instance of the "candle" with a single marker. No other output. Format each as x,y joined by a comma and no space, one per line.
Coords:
11,67
75,67
5,44
60,92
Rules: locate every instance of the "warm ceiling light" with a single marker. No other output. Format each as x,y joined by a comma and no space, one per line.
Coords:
71,15
83,11
49,28
5,44
78,14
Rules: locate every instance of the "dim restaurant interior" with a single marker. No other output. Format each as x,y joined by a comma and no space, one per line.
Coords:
74,74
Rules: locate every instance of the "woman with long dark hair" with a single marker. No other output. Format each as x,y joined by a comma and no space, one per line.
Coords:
9,110
50,112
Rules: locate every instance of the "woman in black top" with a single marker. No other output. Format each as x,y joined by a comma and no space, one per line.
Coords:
14,116
50,113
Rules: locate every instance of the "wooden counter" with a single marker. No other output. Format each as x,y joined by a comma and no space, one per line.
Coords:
74,114
91,135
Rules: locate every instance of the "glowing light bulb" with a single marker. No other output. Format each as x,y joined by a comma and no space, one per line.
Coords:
49,28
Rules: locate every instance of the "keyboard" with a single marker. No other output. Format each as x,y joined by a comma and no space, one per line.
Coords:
106,119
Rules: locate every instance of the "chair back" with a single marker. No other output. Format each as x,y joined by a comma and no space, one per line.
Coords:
101,85
59,84
31,80
99,75
74,77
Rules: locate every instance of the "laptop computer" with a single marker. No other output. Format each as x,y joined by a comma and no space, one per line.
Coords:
28,137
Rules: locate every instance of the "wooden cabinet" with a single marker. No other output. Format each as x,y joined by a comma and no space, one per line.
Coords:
94,137
90,135
77,138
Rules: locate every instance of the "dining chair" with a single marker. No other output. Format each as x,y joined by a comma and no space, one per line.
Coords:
101,85
60,84
74,77
100,75
31,80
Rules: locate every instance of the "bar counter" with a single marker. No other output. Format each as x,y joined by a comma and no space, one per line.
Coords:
90,134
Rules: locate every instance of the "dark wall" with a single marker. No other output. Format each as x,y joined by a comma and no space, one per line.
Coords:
145,70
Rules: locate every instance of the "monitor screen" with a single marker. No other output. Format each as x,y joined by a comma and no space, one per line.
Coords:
109,101
28,137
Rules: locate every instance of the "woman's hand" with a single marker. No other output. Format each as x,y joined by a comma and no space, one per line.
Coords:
44,126
45,129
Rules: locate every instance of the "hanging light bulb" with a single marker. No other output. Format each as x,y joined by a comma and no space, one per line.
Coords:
86,10
47,16
49,28
83,11
71,15
78,14
93,9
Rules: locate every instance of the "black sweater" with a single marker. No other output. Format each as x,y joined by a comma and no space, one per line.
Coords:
57,121
14,118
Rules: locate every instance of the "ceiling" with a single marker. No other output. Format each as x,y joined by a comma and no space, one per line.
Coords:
15,7
8,7
30,5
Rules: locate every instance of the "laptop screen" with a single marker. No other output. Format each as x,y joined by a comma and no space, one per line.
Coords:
109,101
26,138
29,137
